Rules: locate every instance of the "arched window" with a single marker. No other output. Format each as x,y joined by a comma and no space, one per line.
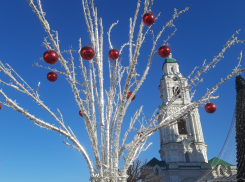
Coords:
172,69
187,159
221,172
156,171
182,127
176,91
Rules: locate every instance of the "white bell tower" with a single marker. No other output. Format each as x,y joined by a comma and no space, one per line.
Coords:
181,142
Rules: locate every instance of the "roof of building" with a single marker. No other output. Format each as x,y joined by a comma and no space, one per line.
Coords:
170,60
216,161
155,161
213,162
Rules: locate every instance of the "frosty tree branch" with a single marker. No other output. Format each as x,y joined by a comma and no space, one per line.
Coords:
88,123
47,126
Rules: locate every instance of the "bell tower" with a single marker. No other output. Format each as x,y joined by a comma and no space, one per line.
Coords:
183,141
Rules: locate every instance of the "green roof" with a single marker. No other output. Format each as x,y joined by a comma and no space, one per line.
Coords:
155,161
216,161
170,60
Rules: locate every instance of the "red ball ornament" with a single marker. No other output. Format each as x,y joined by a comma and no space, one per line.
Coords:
164,51
140,134
52,76
113,54
50,57
87,53
148,19
80,113
129,93
210,107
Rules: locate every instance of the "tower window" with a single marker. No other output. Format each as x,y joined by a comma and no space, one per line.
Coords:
187,159
182,127
156,171
221,172
172,69
176,91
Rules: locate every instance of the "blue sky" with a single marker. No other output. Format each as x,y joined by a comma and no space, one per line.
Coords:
28,153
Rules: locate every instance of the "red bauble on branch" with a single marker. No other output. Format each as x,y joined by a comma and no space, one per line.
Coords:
113,54
210,107
141,133
129,93
80,113
87,53
164,51
50,57
52,76
148,19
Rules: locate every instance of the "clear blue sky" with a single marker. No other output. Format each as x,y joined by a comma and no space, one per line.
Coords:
28,153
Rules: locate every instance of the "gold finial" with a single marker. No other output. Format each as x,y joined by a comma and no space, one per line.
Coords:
170,55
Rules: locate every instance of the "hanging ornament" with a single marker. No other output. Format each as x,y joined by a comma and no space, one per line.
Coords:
52,76
80,113
129,93
113,54
50,57
210,107
0,107
164,51
140,134
87,53
148,19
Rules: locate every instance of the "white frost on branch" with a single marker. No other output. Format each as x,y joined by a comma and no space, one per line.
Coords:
109,34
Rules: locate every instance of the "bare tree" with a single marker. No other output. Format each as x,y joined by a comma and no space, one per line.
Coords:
112,103
139,170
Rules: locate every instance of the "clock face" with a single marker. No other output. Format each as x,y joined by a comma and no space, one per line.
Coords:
175,78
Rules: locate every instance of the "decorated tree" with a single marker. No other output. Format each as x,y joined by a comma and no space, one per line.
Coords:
240,124
93,100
